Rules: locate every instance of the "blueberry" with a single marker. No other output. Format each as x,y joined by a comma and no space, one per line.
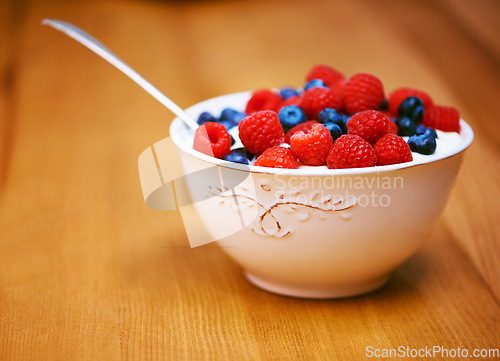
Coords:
329,115
290,116
406,126
422,129
413,108
228,124
314,83
384,105
288,92
205,117
422,144
238,155
232,115
431,133
236,158
334,129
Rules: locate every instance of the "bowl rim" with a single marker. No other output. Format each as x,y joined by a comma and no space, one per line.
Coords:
177,127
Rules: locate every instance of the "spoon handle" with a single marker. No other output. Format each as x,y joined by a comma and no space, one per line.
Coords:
94,45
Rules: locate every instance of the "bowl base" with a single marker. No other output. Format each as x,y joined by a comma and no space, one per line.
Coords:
326,292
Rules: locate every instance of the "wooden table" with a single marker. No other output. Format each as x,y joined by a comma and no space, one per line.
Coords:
88,272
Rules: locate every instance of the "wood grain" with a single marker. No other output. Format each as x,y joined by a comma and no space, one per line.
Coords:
473,88
88,272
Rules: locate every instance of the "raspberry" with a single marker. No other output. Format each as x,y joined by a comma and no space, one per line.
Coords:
326,73
351,151
362,92
443,118
260,131
392,149
314,100
393,128
312,148
263,99
212,139
305,127
293,100
371,125
339,87
400,94
277,157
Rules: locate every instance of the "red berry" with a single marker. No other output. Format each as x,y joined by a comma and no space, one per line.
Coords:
400,94
326,73
293,100
392,149
277,157
339,87
362,92
371,125
393,128
312,148
443,118
351,151
305,127
263,99
212,139
260,131
314,100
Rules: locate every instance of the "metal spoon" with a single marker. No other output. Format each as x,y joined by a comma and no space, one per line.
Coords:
94,45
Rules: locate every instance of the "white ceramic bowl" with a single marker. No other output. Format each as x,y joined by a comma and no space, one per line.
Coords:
317,232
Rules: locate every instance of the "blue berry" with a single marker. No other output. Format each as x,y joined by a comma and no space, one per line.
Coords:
314,83
431,133
288,92
422,129
406,126
334,129
232,115
422,144
228,124
384,105
413,108
238,155
205,117
290,116
330,115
